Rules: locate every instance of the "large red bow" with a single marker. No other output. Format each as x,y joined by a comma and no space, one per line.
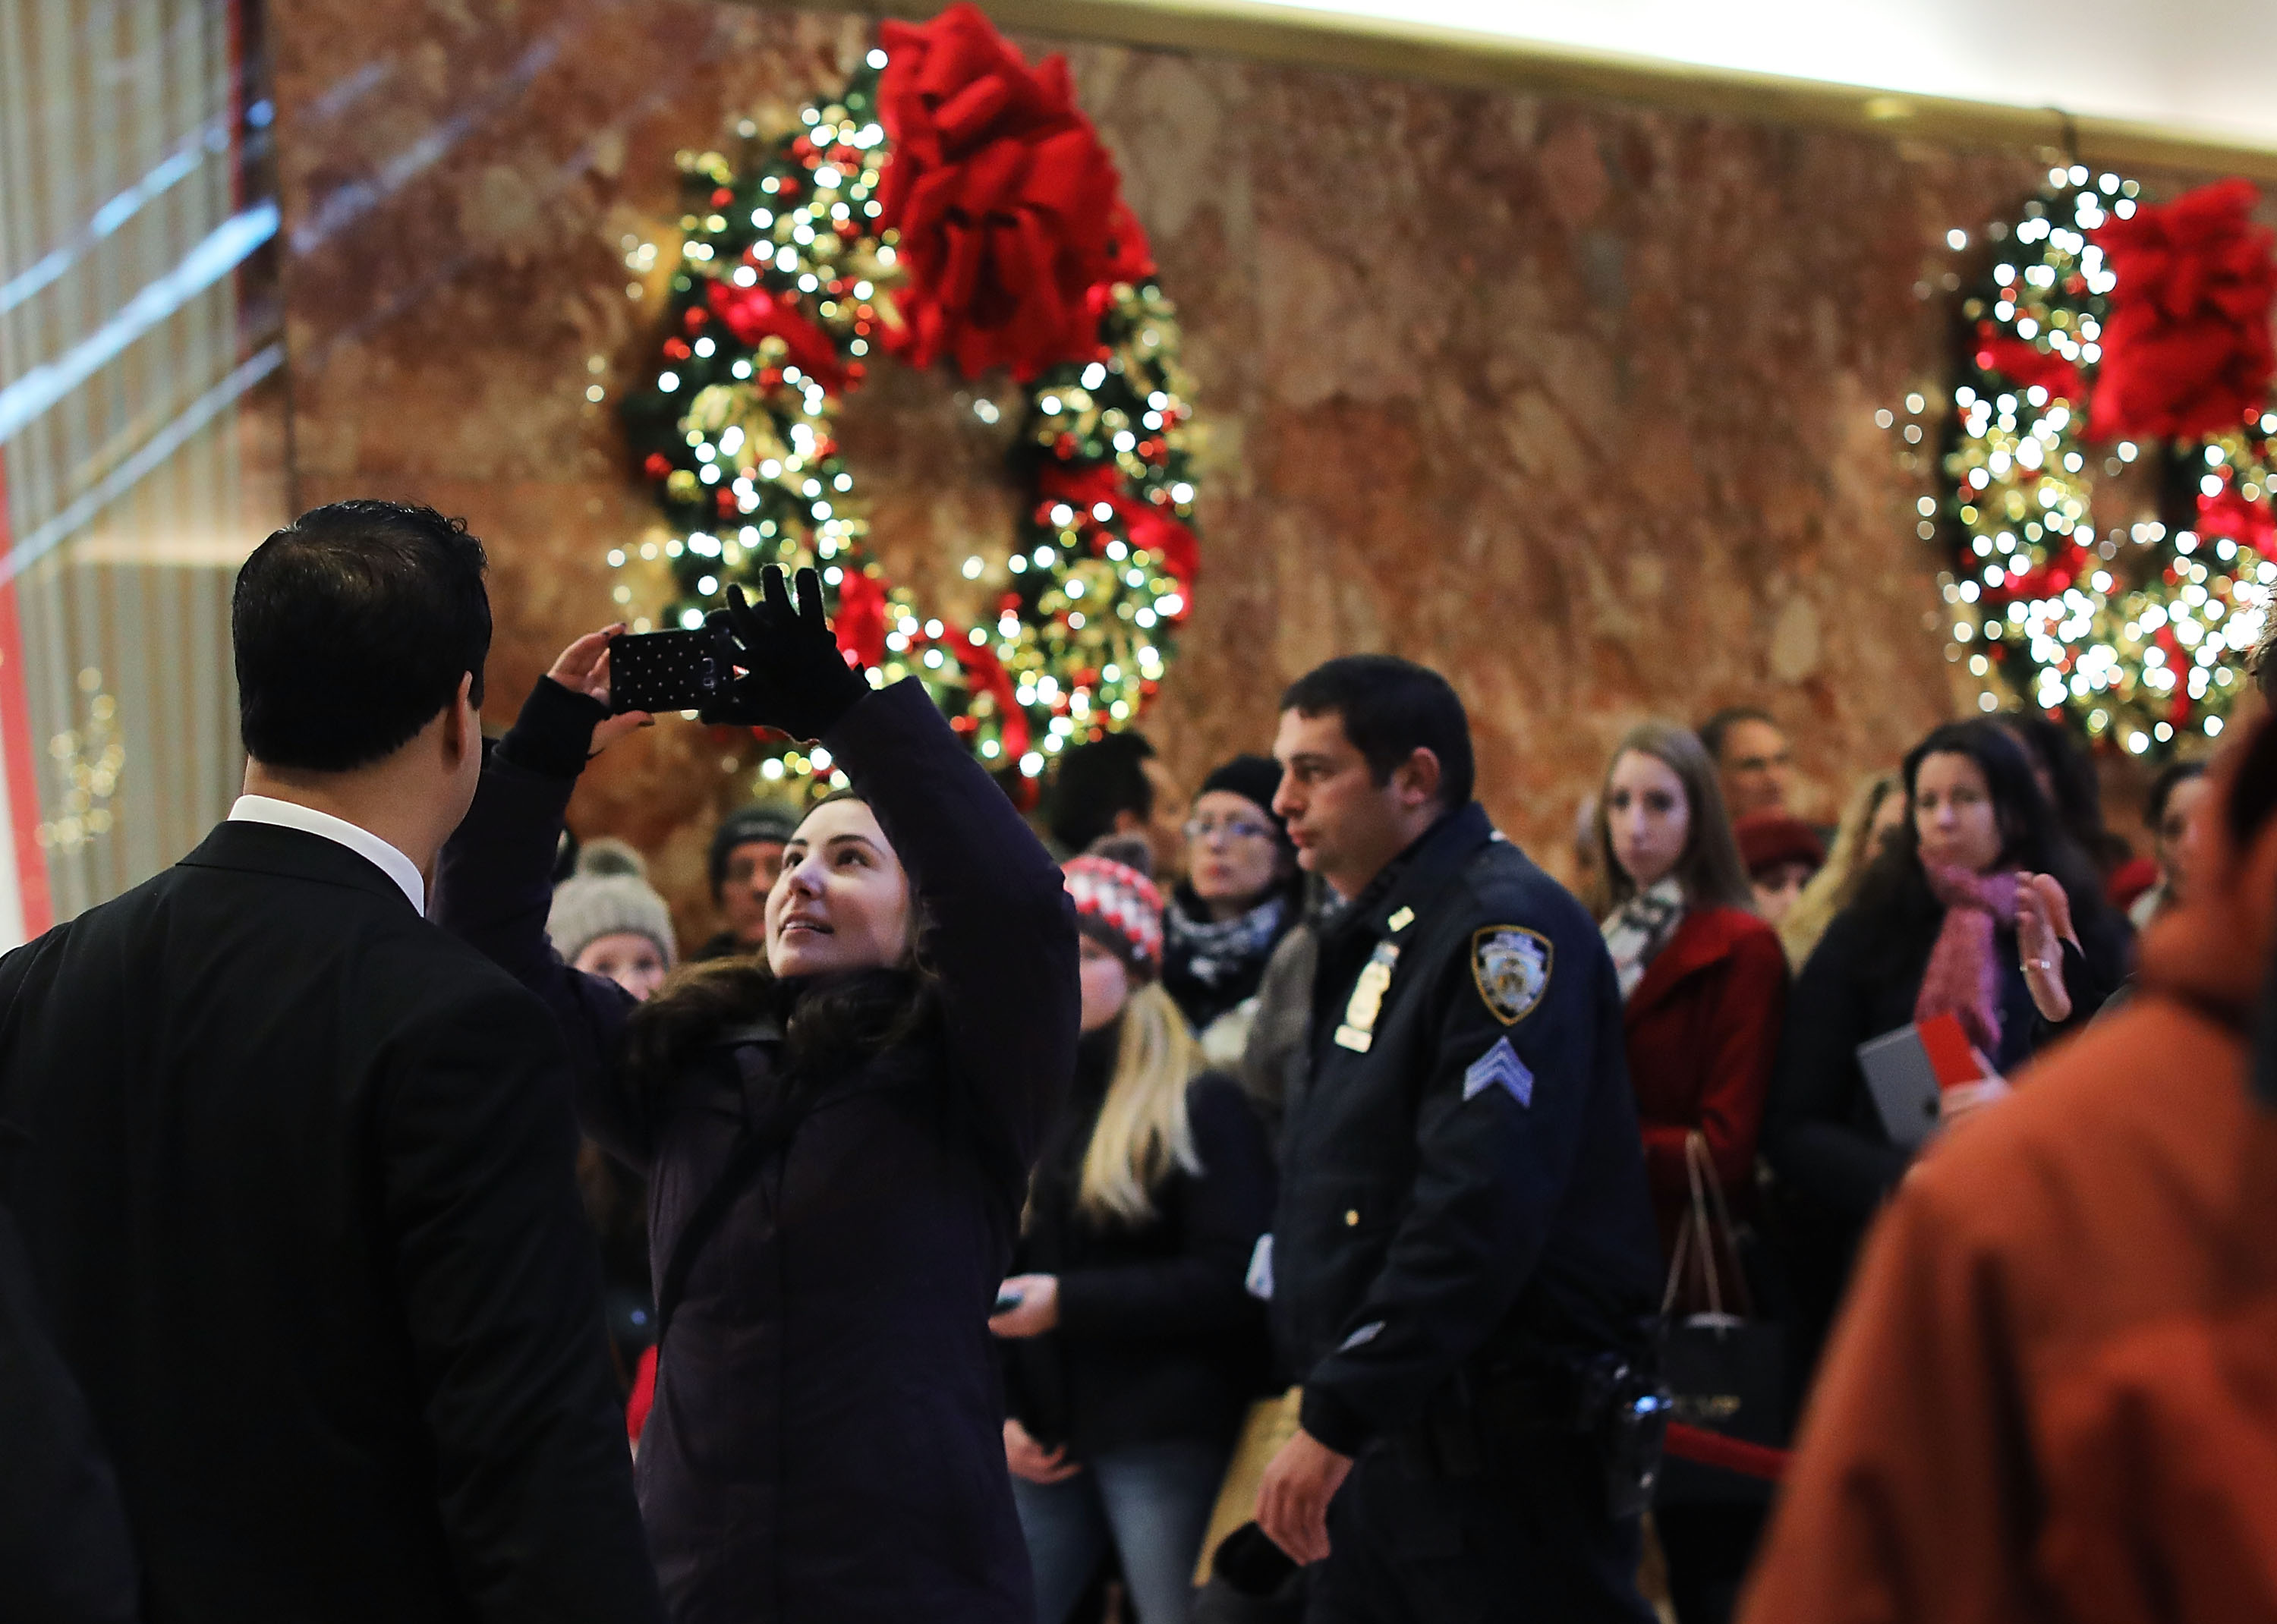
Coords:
2187,347
753,314
984,673
1009,209
1146,524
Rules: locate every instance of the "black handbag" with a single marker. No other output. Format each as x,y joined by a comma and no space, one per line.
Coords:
1725,1370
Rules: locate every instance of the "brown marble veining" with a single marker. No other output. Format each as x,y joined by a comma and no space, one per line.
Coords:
1573,400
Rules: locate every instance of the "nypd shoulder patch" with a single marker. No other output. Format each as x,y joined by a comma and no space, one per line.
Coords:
1499,1067
1510,965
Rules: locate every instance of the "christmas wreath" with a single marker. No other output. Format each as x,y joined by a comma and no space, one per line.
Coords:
2109,338
951,203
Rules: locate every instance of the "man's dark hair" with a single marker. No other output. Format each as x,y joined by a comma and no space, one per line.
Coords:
353,626
1391,707
1096,781
1712,730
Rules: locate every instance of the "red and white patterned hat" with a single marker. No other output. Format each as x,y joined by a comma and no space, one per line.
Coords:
1119,908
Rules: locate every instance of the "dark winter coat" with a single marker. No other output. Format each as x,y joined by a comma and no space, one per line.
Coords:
827,1438
292,1170
1461,1169
1822,1132
1158,1338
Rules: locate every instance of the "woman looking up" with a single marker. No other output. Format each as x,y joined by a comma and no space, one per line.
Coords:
1982,908
837,1135
1133,1347
1241,895
1704,988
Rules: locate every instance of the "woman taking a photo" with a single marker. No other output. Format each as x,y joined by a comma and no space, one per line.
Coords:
837,1137
1133,1347
1981,907
1241,895
1705,985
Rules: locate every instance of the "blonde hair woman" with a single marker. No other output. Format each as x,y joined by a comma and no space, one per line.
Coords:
1873,813
1134,1344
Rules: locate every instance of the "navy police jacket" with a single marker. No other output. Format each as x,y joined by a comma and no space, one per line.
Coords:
1461,1174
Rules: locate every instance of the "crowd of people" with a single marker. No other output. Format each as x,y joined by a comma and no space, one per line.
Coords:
1267,1199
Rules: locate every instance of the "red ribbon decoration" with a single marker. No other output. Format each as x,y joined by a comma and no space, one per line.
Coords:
984,673
1009,209
2249,524
2024,364
860,621
2186,349
1146,526
753,314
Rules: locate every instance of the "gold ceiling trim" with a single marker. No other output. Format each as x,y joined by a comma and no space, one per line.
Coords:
1454,57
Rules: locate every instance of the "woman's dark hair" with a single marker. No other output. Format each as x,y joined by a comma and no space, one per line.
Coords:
1894,894
352,627
2071,774
1391,708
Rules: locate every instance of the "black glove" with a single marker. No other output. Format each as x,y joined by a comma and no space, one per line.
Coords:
795,679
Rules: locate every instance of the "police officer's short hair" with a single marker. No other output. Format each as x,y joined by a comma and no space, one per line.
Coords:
1391,707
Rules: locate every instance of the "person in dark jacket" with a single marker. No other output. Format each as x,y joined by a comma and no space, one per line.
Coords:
1980,905
746,856
1703,982
1134,1344
837,1139
1241,894
1463,1271
292,1167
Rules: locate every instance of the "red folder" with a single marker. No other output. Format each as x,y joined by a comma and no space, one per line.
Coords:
1951,1055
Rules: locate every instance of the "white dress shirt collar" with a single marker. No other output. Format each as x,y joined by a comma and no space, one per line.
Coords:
362,842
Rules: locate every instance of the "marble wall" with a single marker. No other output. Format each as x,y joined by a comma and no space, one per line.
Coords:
1572,399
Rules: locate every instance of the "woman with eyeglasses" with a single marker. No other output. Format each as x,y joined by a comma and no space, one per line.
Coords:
1241,896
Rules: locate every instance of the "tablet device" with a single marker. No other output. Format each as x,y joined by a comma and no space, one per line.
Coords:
1903,1084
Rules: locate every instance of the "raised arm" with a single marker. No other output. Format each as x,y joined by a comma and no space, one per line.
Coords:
999,928
495,883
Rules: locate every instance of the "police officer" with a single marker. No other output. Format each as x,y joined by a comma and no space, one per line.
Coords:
1463,1268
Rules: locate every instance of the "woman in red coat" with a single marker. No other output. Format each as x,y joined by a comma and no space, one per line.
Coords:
1704,984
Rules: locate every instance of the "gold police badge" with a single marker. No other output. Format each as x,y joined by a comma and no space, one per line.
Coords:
1512,966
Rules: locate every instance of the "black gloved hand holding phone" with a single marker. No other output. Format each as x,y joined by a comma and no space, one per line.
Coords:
793,677
770,663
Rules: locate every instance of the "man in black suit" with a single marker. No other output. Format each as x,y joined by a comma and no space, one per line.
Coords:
293,1167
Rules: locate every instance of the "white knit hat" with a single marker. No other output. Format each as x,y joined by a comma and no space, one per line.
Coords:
607,896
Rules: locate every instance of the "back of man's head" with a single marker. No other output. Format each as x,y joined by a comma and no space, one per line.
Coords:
1391,707
1095,782
352,627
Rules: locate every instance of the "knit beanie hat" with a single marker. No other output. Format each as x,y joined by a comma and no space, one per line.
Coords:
1767,839
761,821
1253,777
609,895
1117,905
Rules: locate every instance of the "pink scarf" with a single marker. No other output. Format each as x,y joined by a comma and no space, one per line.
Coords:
1963,977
